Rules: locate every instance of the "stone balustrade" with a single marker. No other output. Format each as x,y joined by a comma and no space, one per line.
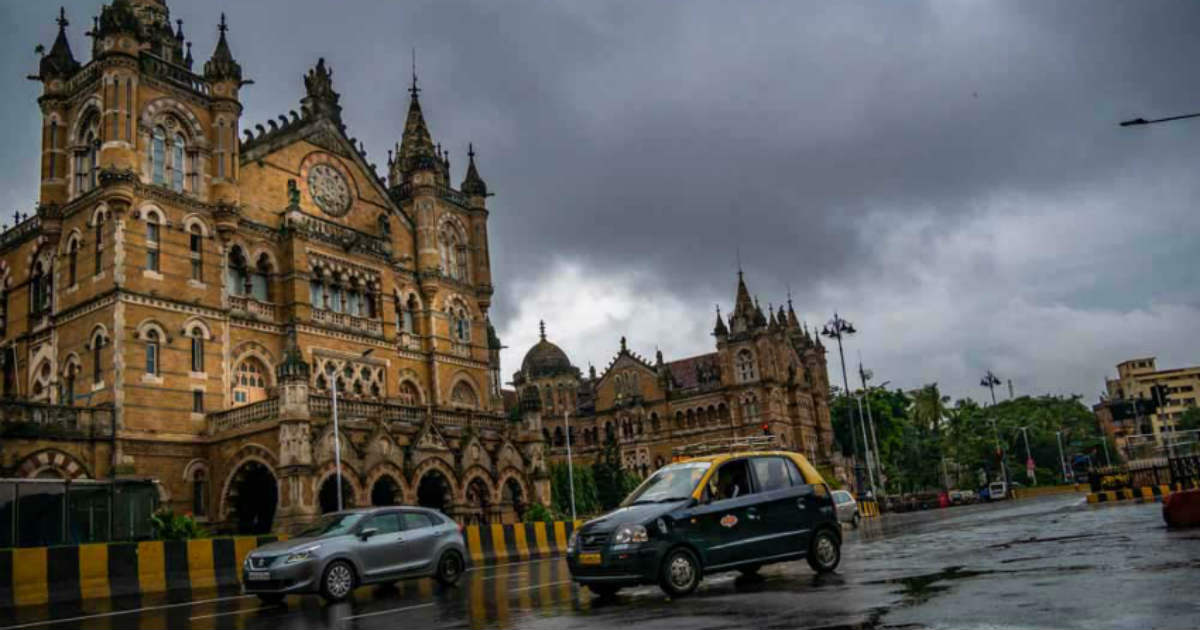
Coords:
19,418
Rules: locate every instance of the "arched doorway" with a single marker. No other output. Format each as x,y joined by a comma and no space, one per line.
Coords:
327,496
479,501
386,491
514,497
252,498
434,491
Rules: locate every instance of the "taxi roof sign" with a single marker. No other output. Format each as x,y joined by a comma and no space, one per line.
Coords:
725,445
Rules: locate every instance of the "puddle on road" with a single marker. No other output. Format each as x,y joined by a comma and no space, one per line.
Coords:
919,589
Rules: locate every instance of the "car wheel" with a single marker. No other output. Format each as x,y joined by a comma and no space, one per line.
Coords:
270,598
824,552
680,572
449,568
854,521
337,581
604,591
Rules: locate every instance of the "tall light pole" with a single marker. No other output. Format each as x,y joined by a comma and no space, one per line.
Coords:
1062,460
873,443
1028,455
337,434
990,381
570,464
836,328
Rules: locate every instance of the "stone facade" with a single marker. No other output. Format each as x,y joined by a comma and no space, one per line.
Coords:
183,302
767,376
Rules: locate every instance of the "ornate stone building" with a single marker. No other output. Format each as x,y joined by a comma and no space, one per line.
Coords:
184,301
767,375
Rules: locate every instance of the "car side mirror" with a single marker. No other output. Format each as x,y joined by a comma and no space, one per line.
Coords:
367,533
807,490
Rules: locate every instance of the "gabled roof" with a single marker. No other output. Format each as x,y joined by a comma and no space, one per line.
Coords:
685,373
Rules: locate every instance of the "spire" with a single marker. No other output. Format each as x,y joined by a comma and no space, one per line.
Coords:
542,329
221,66
293,367
416,145
742,302
187,61
774,323
493,338
319,98
759,318
720,330
60,62
792,321
472,184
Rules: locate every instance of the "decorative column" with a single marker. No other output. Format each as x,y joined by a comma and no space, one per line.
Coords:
295,470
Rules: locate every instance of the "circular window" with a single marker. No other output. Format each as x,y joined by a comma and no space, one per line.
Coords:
329,189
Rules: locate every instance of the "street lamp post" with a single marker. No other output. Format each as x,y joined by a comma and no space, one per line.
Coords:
570,464
990,381
337,434
836,328
1028,455
1062,460
873,443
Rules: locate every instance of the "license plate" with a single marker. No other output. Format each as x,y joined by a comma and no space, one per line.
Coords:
258,575
589,558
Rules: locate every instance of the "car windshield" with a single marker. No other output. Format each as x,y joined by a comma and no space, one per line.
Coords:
331,525
671,483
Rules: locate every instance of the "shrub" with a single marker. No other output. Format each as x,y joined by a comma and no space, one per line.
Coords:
537,512
171,526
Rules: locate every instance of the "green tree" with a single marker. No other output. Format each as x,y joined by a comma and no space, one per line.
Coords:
585,490
611,481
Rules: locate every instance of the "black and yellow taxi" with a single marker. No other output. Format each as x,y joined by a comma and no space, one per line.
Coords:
707,514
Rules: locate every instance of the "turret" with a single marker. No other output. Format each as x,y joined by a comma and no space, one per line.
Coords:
473,185
54,70
719,330
225,75
416,153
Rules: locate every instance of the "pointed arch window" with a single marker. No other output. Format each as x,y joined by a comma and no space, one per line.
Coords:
410,316
177,165
220,149
152,243
237,274
72,261
68,392
196,252
260,281
97,344
41,288
86,153
3,310
53,144
99,247
197,349
199,493
158,157
249,382
152,347
745,365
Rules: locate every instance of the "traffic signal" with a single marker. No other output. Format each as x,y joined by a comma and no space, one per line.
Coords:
766,429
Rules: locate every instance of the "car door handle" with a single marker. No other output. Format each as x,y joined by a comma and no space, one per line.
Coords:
752,514
800,504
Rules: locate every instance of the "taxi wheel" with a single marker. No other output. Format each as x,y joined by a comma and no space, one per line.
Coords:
824,552
680,572
337,581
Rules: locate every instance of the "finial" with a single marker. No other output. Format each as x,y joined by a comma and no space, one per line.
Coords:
622,343
542,329
471,150
739,261
223,26
179,31
718,310
62,18
414,90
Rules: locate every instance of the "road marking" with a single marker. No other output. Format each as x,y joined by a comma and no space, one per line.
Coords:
115,613
234,612
529,588
384,612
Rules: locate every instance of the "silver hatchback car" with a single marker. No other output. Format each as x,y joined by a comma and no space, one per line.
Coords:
847,507
342,550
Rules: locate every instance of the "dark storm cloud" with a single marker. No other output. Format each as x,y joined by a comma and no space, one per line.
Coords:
659,138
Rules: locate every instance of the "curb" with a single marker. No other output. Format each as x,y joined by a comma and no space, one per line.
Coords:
40,576
1145,494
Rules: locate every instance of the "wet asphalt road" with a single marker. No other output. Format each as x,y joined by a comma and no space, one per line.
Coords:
1053,562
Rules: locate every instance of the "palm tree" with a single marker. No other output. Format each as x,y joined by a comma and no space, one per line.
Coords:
929,408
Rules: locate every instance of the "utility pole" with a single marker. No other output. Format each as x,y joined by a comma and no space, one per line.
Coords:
337,434
866,445
864,375
1028,455
836,328
990,381
1062,460
570,464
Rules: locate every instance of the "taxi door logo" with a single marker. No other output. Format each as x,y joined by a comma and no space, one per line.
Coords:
728,520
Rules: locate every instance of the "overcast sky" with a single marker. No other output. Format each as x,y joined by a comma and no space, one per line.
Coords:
947,175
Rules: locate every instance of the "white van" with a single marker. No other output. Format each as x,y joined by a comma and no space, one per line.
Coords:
997,490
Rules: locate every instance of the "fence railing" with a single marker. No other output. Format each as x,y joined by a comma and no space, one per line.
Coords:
1181,470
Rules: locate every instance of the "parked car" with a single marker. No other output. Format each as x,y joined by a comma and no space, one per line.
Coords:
343,550
997,491
734,511
847,507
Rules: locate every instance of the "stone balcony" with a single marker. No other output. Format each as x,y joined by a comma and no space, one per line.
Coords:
319,406
255,309
24,419
348,322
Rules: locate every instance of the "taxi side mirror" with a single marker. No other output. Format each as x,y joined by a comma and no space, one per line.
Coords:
367,533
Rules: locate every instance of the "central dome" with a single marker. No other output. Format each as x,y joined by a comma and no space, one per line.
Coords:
545,358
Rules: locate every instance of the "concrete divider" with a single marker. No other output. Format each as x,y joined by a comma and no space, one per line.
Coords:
37,576
868,509
1041,491
1145,494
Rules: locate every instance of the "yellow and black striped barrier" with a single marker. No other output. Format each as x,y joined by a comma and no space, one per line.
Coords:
1145,494
868,509
38,576
497,544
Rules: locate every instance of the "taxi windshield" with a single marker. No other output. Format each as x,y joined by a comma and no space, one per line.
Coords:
670,483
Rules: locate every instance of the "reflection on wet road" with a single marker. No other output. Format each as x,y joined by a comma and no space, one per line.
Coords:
1050,562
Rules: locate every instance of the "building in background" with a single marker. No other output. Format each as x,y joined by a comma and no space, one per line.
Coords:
189,292
767,375
1143,403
